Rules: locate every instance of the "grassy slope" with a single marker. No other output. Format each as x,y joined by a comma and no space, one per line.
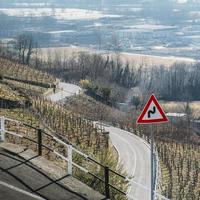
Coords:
173,106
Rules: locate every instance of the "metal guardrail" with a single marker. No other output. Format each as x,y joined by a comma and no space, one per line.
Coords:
69,158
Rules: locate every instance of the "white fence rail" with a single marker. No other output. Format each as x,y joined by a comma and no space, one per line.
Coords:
69,158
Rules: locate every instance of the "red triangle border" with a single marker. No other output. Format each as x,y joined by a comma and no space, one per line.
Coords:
164,118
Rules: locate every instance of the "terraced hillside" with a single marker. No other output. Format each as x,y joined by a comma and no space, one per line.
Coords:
8,94
76,129
17,85
34,109
22,72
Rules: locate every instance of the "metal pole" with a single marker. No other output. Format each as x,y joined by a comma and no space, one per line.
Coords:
107,188
152,163
39,142
69,165
2,135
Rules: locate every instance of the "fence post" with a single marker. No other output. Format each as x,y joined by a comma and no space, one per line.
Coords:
39,142
107,187
2,130
69,164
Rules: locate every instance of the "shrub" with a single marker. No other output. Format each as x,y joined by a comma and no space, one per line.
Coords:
85,83
105,92
135,101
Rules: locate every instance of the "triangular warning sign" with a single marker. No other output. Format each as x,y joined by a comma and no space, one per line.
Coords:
152,113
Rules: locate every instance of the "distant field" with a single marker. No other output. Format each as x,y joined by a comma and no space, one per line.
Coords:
173,106
136,59
57,13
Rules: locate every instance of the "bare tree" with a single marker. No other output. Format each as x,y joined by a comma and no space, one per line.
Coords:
115,43
188,112
36,57
24,47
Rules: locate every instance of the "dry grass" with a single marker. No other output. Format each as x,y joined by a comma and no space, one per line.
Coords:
173,106
134,59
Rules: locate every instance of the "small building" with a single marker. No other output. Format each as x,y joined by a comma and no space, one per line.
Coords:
175,117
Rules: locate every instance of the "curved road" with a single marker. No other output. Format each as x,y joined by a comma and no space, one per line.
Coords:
133,152
64,90
134,155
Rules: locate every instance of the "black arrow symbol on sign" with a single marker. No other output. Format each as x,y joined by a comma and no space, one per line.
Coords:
151,112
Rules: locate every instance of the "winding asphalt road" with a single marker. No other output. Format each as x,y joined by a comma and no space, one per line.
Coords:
134,153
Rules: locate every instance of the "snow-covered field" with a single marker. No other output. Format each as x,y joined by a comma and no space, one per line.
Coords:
60,32
150,27
58,13
31,4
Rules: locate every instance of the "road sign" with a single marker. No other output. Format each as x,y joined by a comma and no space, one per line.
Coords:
152,113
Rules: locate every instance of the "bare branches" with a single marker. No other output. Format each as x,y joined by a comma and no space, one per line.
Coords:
24,46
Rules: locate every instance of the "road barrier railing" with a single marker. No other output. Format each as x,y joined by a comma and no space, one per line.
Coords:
71,149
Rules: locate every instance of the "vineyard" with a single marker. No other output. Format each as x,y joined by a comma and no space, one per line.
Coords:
19,81
177,145
180,170
7,93
71,127
22,72
179,157
81,132
94,110
106,157
26,88
74,128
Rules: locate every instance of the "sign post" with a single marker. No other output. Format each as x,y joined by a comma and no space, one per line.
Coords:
152,114
2,128
152,164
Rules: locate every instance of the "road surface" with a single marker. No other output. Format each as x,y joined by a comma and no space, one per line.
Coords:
23,181
134,153
64,90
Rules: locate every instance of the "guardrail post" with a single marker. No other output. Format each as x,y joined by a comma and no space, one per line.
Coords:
69,164
39,142
2,130
107,187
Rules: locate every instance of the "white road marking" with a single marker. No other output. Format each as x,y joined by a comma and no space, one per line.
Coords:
20,190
